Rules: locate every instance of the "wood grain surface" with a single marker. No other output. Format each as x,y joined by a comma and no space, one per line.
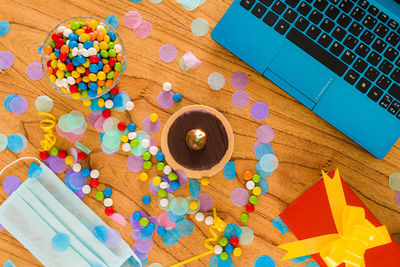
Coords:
303,142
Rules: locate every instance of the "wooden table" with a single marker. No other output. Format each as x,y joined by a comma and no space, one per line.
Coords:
303,142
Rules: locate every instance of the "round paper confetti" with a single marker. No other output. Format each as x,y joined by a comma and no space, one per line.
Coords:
280,225
165,99
6,60
206,202
264,261
135,163
184,228
3,142
182,177
34,71
10,184
167,53
394,181
397,198
156,1
200,27
312,264
164,221
256,144
170,238
263,149
247,236
240,196
112,20
57,165
4,28
216,81
60,242
259,111
194,187
300,259
143,246
16,104
268,163
240,99
265,134
132,19
182,64
151,127
118,218
17,143
239,80
229,170
143,30
232,229
44,103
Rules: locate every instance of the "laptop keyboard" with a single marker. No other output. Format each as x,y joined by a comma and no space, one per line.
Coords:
354,39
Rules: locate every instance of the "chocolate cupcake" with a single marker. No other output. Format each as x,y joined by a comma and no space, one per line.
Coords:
198,140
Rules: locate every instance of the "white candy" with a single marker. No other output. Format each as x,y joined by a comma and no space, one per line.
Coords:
109,103
85,52
209,220
250,185
75,51
86,189
126,147
92,51
164,202
217,249
153,150
94,174
132,135
199,216
67,32
117,48
80,46
99,27
145,143
64,82
67,42
59,83
96,43
167,86
164,185
61,29
77,167
71,80
167,169
108,202
129,105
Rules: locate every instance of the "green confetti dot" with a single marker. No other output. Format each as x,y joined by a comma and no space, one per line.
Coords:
200,27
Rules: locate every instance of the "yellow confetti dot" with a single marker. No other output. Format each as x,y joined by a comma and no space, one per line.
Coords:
143,177
153,117
193,205
69,160
257,191
156,180
205,181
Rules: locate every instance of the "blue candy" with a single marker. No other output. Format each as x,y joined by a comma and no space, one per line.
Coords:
73,44
85,172
93,86
73,37
229,248
92,93
57,52
132,127
146,200
81,59
93,68
112,35
88,44
175,185
159,156
177,97
107,192
136,216
82,86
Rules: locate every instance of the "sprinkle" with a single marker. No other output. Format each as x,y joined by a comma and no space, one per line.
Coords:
239,80
280,225
60,242
394,181
240,99
229,170
4,28
6,60
216,81
200,27
113,21
259,111
264,261
265,134
206,202
239,196
143,30
10,184
167,53
132,19
34,71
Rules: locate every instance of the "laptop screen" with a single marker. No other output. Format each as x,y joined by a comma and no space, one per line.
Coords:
392,6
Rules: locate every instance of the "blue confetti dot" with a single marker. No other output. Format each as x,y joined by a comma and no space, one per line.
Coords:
263,149
264,261
263,183
15,142
170,238
184,228
4,28
229,170
101,233
311,264
136,216
300,259
136,1
262,173
161,231
194,187
113,21
280,225
9,263
60,242
146,200
232,230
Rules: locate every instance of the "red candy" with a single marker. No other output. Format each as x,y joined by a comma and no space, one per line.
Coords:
249,208
115,90
44,154
121,126
55,36
88,30
234,241
82,155
49,63
73,88
59,42
94,59
106,113
87,72
94,182
63,56
112,62
62,154
109,211
70,66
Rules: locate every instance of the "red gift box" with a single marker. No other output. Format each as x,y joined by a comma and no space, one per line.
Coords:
310,216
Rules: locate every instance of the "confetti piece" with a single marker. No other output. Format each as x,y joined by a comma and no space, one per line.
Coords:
239,80
40,50
10,184
151,127
114,239
268,162
240,99
182,65
300,259
179,206
229,170
194,187
256,145
200,27
132,19
263,149
6,60
394,181
143,246
135,163
264,261
206,202
182,177
170,238
175,218
265,134
167,53
113,21
262,173
259,111
191,61
16,104
312,264
232,229
164,221
264,186
3,142
156,1
189,4
165,99
60,242
397,198
247,236
135,1
34,71
17,143
143,30
4,28
184,228
280,225
216,81
44,103
239,196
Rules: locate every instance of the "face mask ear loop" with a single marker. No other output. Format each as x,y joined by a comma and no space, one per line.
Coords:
15,161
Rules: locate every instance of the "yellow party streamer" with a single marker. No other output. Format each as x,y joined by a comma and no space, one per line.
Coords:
218,225
47,126
355,233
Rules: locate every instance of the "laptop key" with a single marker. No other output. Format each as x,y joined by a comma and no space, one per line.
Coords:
348,57
358,13
383,17
373,10
247,4
393,38
371,74
395,91
304,8
363,85
282,27
279,7
386,67
396,75
351,77
313,32
394,107
398,62
325,40
385,101
383,82
290,15
374,58
320,4
367,37
335,2
381,30
362,50
344,20
369,22
379,45
339,33
315,17
336,49
259,10
393,24
270,18
356,29
391,53
317,52
375,93
327,25
363,3
302,23
292,3
346,5
332,12
267,2
360,65
350,41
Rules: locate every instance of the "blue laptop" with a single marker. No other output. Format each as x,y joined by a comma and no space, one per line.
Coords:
340,58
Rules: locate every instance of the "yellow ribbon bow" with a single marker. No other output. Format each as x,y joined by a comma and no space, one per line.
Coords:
355,233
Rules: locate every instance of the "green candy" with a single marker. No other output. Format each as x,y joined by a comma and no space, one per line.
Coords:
146,155
70,55
224,256
144,221
75,25
244,217
147,165
112,53
253,199
104,53
110,75
52,43
256,178
160,166
223,241
68,74
81,24
54,151
118,66
172,176
84,94
110,45
99,195
135,142
162,193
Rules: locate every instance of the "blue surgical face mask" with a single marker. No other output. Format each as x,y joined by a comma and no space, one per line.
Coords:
43,207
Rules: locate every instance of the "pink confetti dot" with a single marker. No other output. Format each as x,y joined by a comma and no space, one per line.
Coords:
206,202
10,184
259,111
135,163
151,127
34,71
240,99
239,80
397,198
6,60
164,221
240,196
118,218
265,134
256,144
167,53
165,99
132,19
143,30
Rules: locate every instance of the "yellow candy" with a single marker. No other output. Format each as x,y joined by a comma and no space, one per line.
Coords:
153,117
193,205
69,160
80,69
92,77
157,180
99,91
76,95
64,90
75,74
79,32
205,181
54,63
61,66
85,79
60,74
93,24
87,102
107,38
237,252
85,37
103,45
96,47
52,78
143,177
53,56
100,102
87,63
105,61
103,31
124,138
101,75
257,191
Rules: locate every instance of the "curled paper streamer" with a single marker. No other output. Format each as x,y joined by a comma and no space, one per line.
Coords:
47,126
